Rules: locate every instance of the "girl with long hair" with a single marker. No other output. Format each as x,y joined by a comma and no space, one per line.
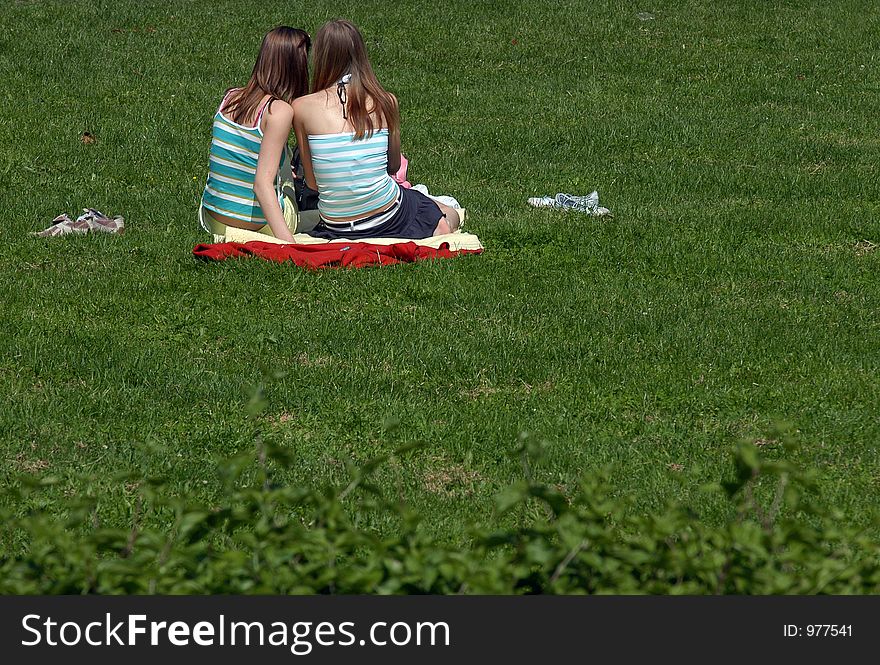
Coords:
348,132
250,160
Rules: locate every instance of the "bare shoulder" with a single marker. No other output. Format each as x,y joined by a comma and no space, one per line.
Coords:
305,105
280,109
309,111
311,100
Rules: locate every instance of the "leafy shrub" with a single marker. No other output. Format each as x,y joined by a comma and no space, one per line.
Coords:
264,538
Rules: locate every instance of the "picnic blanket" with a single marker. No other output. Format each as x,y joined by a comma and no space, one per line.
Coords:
331,254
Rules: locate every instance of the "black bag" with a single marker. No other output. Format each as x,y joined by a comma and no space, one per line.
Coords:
306,197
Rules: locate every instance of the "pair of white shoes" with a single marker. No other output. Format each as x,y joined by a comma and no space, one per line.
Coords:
90,220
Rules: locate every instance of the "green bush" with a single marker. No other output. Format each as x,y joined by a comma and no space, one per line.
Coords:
264,538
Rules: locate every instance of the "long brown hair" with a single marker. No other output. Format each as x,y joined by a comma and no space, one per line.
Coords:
340,50
281,70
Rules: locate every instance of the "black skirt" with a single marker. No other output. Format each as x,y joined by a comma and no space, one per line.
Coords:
416,218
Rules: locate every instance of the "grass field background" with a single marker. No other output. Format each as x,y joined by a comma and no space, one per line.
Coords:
738,147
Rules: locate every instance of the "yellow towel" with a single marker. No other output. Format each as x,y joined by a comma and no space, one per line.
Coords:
457,240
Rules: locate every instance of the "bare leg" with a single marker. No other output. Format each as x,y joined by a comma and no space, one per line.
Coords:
449,222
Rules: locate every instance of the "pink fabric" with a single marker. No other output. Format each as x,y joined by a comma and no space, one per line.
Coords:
260,114
400,176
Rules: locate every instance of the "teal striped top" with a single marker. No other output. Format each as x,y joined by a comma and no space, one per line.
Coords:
232,166
352,176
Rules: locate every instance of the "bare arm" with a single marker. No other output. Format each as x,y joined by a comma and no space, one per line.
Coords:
302,140
394,144
276,130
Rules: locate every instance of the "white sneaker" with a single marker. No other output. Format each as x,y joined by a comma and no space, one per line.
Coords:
580,203
588,204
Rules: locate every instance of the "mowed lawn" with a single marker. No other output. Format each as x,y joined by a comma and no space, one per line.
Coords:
735,287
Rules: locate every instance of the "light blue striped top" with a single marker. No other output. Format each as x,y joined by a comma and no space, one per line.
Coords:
231,169
352,176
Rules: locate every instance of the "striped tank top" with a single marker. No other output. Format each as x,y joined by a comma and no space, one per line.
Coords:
353,181
232,166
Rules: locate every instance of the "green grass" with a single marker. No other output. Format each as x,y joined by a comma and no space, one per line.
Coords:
736,285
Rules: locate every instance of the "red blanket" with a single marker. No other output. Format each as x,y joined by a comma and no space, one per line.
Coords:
329,255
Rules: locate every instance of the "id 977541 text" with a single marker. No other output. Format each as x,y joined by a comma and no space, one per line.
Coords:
818,630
